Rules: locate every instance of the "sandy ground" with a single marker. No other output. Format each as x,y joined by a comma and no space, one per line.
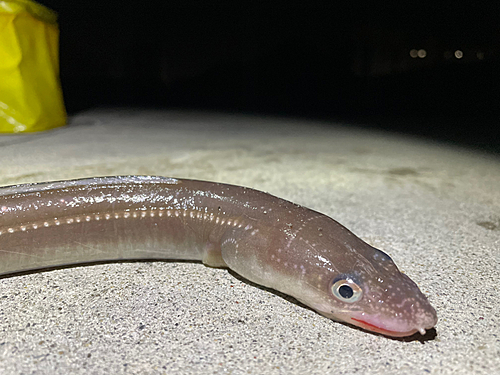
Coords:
434,208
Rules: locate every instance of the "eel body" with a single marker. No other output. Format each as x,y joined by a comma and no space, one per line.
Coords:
265,239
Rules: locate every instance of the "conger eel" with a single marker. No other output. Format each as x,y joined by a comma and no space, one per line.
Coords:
265,239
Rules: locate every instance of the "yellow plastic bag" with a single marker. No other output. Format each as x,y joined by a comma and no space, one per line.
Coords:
30,92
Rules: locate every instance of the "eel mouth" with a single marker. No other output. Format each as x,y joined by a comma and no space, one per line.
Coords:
387,325
420,321
374,328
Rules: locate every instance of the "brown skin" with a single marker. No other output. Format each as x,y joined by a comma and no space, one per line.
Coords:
265,239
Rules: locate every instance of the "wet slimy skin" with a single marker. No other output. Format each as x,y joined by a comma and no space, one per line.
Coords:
263,238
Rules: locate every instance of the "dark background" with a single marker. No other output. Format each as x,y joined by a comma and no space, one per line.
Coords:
345,62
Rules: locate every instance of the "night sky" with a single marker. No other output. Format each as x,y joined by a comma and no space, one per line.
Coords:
413,67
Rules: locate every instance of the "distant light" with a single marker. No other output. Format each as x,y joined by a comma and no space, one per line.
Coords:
422,53
459,54
480,55
448,55
413,53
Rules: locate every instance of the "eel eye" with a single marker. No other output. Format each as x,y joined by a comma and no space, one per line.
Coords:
347,290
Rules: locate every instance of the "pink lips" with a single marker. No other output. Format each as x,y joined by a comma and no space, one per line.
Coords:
374,328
